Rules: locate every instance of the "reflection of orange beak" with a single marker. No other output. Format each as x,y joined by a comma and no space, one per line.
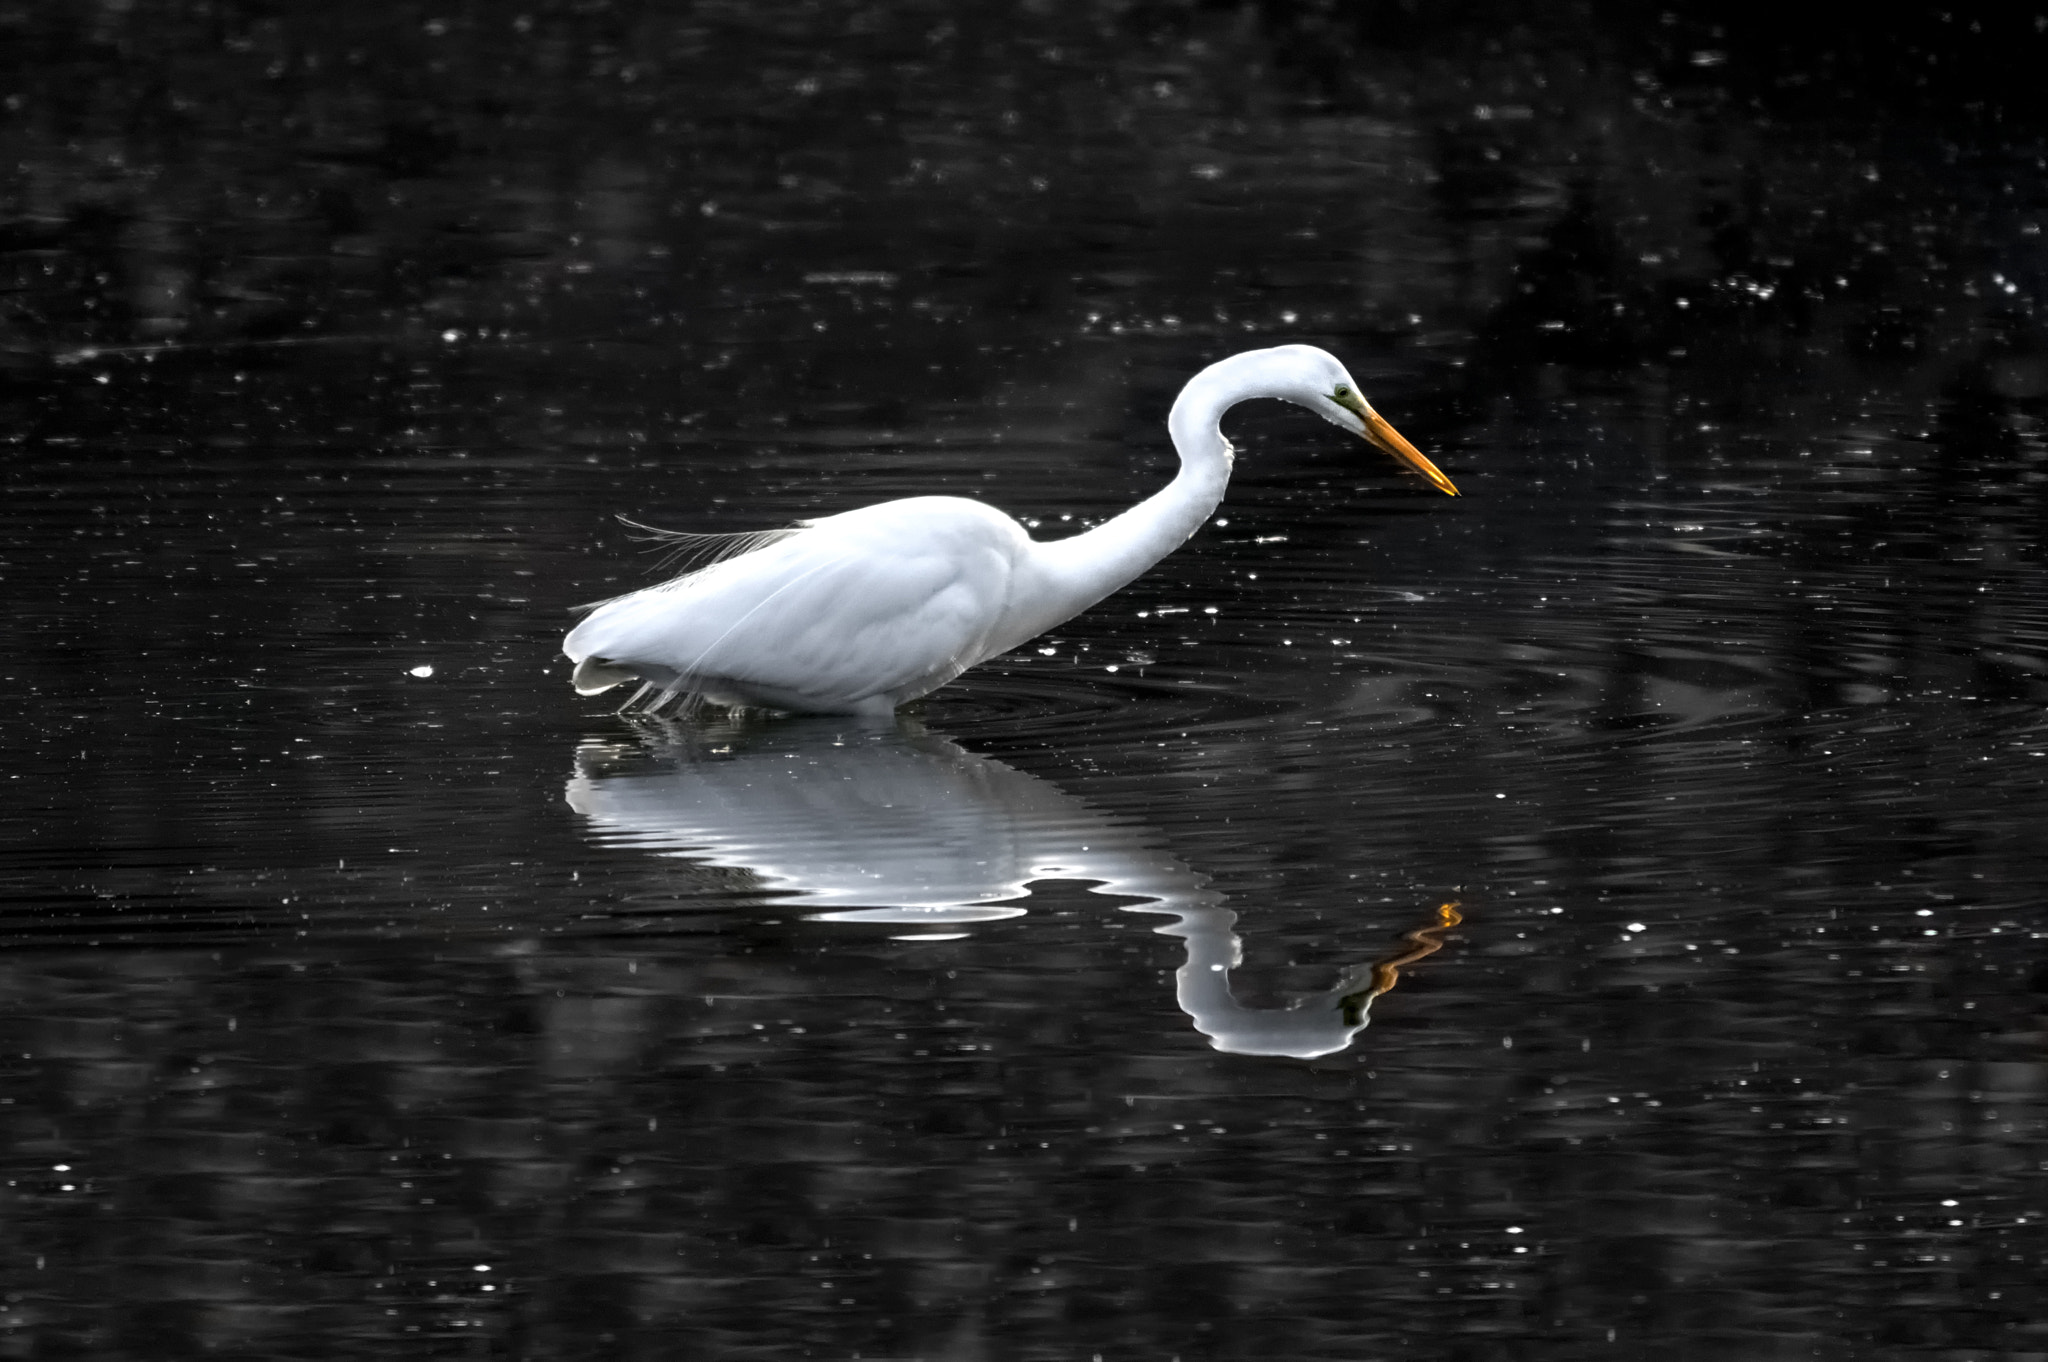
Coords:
1423,942
1386,437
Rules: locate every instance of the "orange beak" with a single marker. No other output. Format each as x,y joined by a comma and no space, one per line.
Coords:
1386,437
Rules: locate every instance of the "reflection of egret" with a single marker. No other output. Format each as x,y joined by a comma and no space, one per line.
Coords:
905,829
857,613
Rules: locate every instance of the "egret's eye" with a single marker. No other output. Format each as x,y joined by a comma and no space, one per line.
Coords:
1343,391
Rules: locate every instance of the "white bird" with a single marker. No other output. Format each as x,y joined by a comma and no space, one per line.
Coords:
859,612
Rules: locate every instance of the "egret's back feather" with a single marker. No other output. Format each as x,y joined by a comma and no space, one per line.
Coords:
689,551
694,552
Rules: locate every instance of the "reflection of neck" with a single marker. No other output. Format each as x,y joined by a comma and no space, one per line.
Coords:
1316,1025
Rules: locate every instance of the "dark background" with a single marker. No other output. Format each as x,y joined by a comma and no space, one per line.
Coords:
331,337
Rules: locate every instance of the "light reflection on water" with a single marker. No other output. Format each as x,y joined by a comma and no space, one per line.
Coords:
890,825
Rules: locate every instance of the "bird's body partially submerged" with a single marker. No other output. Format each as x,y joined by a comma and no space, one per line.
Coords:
854,612
860,612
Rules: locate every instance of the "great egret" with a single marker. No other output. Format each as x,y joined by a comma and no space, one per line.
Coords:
859,612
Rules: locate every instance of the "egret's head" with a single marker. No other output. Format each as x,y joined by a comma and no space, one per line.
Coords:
1322,385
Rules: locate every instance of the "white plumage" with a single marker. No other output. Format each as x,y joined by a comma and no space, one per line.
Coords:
860,612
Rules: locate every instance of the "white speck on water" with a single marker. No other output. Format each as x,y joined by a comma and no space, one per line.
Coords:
1637,927
423,671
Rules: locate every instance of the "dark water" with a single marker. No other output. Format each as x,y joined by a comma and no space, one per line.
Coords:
1670,806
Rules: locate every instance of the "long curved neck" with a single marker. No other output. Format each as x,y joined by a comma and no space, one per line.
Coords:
1083,569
